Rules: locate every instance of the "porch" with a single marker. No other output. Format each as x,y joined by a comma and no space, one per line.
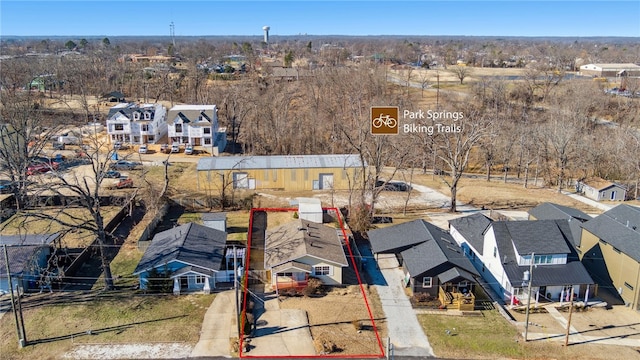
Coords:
454,299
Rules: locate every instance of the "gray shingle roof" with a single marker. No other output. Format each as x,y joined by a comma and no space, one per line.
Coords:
127,109
619,227
279,162
296,239
190,244
28,239
19,259
455,273
539,236
571,273
398,237
472,228
552,211
440,249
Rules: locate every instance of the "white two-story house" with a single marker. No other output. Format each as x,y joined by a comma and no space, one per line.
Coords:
502,251
197,125
137,123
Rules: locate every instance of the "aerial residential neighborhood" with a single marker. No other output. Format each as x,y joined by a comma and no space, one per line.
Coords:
174,188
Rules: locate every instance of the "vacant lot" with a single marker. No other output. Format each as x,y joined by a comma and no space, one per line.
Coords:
55,322
333,318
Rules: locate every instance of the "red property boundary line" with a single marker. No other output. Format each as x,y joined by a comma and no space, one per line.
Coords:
364,295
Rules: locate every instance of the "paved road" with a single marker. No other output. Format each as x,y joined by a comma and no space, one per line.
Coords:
404,330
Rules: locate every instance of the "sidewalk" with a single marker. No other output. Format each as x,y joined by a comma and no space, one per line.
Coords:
592,203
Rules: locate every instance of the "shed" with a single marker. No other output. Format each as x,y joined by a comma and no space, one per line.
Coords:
309,209
216,221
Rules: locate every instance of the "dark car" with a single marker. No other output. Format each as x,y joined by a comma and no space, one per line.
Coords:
125,165
393,186
6,186
112,174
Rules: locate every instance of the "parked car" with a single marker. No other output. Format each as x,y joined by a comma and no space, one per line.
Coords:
124,183
175,148
58,145
125,165
393,186
112,174
69,140
6,186
164,148
39,168
143,149
118,145
188,150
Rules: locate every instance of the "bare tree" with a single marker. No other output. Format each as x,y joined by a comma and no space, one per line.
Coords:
455,147
461,72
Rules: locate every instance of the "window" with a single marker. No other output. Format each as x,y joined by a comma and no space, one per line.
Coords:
118,127
207,130
207,141
151,138
200,279
463,284
628,286
321,270
427,282
178,128
495,251
136,116
542,259
147,116
145,127
286,274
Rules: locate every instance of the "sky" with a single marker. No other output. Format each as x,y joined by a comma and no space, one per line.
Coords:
209,17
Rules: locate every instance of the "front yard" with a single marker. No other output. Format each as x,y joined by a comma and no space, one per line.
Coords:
490,336
55,322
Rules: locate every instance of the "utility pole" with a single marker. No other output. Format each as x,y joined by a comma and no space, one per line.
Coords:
528,277
566,336
13,302
235,285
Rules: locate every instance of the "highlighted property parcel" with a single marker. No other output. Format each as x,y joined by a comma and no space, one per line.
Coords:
290,255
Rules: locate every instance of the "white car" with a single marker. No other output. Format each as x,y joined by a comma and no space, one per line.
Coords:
188,150
143,149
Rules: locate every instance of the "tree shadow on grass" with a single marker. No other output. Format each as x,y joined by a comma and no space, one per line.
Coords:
117,328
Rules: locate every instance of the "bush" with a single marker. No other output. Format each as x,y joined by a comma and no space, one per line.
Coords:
314,287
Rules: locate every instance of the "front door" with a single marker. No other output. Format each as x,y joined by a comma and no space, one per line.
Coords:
184,282
326,181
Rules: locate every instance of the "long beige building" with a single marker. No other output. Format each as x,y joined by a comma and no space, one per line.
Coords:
610,70
279,172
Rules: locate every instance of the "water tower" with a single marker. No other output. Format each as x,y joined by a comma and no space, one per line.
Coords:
266,33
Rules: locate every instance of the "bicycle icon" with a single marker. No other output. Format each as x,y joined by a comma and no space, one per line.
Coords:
385,120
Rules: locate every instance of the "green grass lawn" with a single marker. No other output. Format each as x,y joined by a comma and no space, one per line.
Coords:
487,336
237,225
116,317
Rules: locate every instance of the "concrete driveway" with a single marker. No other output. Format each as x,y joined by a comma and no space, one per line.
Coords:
218,326
404,330
279,332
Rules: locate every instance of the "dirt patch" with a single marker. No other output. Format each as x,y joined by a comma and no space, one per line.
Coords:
130,351
340,321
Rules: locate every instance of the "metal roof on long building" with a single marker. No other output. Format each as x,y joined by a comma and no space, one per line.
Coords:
279,162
